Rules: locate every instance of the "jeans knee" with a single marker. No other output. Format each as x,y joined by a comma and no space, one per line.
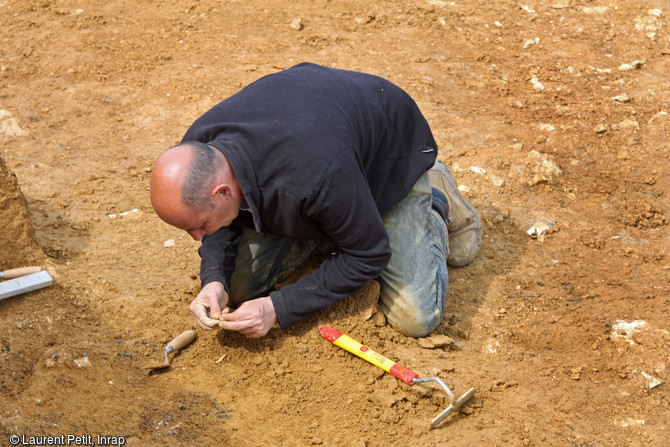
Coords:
416,324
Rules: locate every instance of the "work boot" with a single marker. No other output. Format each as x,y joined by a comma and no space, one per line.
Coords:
465,228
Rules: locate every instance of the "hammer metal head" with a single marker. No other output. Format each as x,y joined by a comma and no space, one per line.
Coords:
454,405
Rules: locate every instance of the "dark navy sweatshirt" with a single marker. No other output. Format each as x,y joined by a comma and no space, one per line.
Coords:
320,153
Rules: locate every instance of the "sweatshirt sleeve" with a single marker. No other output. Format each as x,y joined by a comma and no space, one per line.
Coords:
346,212
217,253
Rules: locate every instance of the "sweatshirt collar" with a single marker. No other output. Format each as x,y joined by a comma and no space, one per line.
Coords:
246,176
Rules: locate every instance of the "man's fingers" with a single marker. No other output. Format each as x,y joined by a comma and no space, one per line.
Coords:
254,318
245,322
235,321
236,315
207,323
207,328
214,306
200,312
244,327
232,325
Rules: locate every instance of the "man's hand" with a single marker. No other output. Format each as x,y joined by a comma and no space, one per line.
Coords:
206,307
254,318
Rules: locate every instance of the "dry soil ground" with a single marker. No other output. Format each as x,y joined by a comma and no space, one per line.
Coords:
551,112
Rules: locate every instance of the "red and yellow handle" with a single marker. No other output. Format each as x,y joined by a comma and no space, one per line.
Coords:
349,344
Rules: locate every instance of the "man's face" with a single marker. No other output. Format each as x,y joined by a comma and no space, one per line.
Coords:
201,222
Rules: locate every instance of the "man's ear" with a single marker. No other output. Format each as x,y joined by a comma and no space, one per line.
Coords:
222,189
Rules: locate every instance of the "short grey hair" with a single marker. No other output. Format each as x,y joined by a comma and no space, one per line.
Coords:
199,175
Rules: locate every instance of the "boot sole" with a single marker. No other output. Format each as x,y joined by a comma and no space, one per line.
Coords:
451,260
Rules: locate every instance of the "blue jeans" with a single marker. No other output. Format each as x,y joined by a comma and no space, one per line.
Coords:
413,285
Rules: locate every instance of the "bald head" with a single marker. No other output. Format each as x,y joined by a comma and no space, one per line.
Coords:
182,178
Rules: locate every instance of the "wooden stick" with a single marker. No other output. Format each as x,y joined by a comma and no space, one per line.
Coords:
25,284
15,273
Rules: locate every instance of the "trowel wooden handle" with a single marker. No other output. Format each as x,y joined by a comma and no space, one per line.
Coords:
22,271
181,340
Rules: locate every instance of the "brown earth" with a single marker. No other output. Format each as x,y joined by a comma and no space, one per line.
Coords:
550,112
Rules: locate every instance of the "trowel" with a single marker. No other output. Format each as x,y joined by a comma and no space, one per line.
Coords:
173,347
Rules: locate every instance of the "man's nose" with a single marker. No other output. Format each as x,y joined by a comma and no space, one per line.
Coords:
196,234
